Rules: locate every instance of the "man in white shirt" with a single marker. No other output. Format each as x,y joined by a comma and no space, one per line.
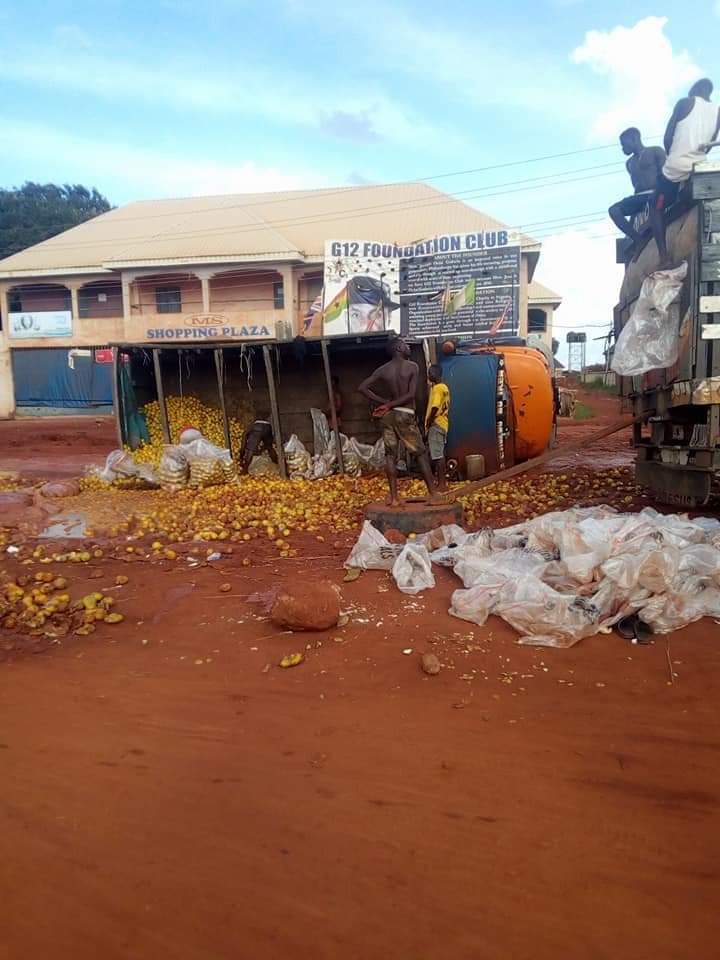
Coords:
694,124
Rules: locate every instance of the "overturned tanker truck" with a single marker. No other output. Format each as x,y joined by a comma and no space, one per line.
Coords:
674,348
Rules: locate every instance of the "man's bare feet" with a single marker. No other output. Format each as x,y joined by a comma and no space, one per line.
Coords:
439,497
392,501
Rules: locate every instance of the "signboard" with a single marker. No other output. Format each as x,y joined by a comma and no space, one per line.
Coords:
361,292
466,283
46,323
473,291
176,328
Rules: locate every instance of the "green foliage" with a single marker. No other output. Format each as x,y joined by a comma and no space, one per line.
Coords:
583,412
598,386
37,211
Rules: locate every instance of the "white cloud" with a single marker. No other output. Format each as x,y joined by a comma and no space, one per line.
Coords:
580,266
473,60
644,75
284,98
51,154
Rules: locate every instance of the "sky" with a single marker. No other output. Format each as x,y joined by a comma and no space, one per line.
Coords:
166,98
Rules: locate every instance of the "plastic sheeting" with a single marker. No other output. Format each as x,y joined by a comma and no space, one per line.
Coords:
44,379
650,339
566,575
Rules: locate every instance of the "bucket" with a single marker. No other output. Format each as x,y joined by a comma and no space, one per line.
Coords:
474,466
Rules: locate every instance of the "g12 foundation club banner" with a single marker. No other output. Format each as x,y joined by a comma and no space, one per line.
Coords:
361,292
466,283
471,291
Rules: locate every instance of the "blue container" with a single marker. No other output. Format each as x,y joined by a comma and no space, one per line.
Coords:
472,381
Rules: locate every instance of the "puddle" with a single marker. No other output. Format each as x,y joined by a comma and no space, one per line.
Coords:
69,526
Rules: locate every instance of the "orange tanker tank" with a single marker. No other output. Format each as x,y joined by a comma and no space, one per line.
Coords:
531,407
502,406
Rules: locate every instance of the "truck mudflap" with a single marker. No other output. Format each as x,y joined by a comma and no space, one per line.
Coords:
676,484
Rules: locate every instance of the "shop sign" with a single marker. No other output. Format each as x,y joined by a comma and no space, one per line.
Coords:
39,324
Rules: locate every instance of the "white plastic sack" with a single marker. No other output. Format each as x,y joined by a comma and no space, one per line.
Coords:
202,449
371,457
263,466
650,338
412,570
373,551
119,463
173,470
321,432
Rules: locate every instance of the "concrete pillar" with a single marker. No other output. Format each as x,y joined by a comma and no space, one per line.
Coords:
290,296
204,278
73,286
7,383
126,297
205,287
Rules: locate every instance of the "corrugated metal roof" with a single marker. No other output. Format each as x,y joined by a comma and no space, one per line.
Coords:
537,293
289,225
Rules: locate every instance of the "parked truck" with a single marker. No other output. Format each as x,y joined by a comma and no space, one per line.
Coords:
677,441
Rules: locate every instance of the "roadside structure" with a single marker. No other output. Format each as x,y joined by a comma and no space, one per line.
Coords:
231,269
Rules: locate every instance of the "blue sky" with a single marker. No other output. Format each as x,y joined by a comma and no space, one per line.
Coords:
172,98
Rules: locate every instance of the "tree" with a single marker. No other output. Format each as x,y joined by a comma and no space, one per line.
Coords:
555,346
37,211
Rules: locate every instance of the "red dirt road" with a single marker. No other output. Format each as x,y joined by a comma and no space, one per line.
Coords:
48,448
525,803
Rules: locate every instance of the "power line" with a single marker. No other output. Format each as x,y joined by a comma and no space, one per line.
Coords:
357,212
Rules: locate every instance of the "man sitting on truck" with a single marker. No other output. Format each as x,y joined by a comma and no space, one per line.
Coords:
693,126
644,167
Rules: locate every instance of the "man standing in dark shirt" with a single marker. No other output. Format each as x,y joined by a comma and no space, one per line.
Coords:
644,166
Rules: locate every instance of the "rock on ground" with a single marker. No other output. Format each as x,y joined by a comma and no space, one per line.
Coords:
307,606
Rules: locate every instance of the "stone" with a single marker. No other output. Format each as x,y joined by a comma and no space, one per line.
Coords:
430,664
60,488
307,606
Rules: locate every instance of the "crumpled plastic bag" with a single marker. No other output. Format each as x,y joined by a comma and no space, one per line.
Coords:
547,618
373,551
412,571
650,338
120,463
297,459
370,457
606,566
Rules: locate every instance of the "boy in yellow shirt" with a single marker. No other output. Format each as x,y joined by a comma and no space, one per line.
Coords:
437,422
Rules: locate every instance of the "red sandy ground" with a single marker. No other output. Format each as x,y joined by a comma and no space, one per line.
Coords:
525,803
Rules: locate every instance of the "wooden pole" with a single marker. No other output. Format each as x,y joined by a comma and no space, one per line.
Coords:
546,457
117,402
161,396
274,412
221,390
333,411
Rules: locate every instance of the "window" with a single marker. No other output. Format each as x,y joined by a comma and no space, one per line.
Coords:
279,295
168,299
15,302
537,321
